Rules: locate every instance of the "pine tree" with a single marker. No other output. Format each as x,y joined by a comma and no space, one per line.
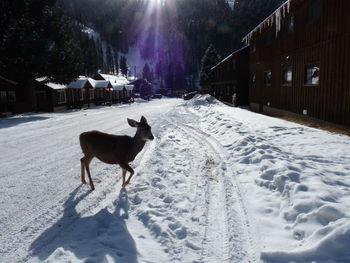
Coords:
123,66
36,41
209,60
110,60
100,61
169,82
146,72
116,59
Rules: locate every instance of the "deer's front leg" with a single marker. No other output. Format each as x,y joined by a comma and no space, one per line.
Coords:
124,174
131,171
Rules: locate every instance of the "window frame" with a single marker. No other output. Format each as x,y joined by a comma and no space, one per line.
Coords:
312,65
61,97
266,72
288,25
91,94
253,46
268,38
284,83
3,96
311,12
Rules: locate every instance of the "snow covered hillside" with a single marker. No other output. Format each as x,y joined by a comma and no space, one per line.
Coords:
218,184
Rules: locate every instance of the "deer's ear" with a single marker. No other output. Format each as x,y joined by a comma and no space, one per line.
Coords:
143,120
132,123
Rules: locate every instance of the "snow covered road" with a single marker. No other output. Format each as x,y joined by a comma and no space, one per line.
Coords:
216,185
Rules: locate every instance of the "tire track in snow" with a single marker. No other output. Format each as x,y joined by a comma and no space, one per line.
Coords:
237,243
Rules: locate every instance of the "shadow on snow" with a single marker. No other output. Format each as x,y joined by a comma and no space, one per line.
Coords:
93,238
13,121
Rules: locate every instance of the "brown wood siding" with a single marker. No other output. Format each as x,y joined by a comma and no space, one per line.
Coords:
326,43
232,76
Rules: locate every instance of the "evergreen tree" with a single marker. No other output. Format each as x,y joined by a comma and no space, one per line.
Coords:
36,41
116,59
169,82
123,66
100,61
109,60
146,73
209,60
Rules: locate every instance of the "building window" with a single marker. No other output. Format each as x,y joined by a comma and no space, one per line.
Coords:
253,46
268,38
288,25
287,76
314,10
267,78
3,97
312,75
234,64
253,78
61,96
12,96
91,91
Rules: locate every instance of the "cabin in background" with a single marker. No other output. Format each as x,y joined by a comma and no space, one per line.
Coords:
79,93
50,96
300,61
142,87
120,89
229,79
7,96
102,92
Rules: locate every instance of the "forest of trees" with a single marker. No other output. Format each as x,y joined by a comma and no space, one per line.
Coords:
47,38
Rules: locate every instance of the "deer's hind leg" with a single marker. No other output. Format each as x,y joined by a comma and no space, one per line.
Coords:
86,161
124,174
82,162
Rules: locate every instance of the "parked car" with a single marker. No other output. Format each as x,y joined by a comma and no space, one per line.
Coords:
157,96
190,95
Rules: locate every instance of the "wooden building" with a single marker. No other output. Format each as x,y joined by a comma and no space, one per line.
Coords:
50,96
300,61
80,93
103,92
229,79
120,88
142,87
7,96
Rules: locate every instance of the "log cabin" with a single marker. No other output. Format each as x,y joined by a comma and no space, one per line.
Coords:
50,96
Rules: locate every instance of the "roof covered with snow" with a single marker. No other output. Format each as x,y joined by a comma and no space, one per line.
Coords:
121,87
115,80
99,83
79,83
51,85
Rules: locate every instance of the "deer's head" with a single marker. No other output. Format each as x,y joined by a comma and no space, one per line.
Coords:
143,129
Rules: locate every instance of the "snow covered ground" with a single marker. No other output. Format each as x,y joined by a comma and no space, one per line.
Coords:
218,184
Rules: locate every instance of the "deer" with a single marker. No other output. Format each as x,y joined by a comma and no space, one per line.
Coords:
114,149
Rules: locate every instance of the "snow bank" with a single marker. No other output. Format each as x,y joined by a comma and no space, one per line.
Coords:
296,182
201,100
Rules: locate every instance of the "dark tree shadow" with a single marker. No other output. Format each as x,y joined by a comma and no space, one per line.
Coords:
93,238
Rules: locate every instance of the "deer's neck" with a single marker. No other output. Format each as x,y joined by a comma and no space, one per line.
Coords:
138,144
